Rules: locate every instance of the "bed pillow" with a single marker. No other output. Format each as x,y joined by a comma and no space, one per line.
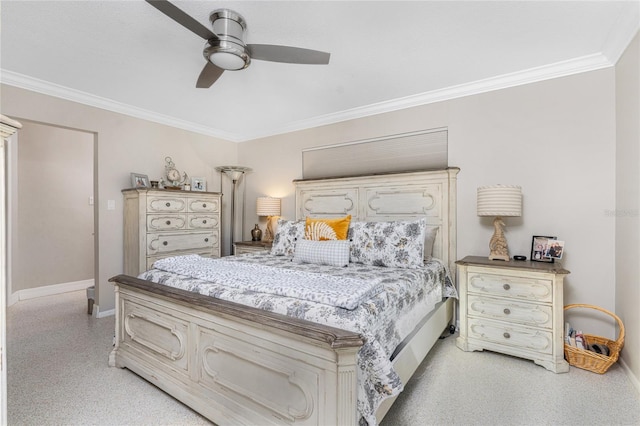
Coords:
393,244
327,229
429,240
330,252
284,242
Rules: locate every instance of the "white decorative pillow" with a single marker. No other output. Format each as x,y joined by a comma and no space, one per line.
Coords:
328,252
284,242
392,244
429,241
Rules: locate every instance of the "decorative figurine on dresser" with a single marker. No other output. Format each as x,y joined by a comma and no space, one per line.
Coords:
161,223
513,307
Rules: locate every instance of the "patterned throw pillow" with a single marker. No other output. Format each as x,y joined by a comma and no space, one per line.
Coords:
327,229
334,253
391,244
284,242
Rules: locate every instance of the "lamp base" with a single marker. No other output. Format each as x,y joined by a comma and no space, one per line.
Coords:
498,257
499,250
270,230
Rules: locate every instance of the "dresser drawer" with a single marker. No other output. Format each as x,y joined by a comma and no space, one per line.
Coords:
166,222
202,221
202,205
511,335
166,204
165,243
203,253
524,288
536,315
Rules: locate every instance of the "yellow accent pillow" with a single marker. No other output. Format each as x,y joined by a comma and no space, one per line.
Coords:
327,229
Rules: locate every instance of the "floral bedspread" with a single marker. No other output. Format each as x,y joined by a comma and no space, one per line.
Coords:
401,299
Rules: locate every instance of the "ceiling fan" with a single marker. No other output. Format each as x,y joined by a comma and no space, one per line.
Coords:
226,49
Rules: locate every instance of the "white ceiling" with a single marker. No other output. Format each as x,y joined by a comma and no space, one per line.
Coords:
128,57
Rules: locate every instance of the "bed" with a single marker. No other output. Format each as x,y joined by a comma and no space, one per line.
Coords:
238,364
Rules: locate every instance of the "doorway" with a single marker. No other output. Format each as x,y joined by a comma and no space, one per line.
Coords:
52,213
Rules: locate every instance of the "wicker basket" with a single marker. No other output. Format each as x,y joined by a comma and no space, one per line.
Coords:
593,361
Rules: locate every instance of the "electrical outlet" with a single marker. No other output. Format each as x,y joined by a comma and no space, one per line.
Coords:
90,201
111,204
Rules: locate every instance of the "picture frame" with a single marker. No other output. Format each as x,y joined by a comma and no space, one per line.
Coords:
139,180
198,184
540,249
555,249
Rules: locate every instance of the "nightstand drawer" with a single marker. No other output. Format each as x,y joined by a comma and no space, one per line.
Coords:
536,315
511,335
524,288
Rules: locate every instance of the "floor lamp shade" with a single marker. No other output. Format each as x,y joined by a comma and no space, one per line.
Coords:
270,207
499,201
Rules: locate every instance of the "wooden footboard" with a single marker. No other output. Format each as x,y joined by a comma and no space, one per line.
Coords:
232,363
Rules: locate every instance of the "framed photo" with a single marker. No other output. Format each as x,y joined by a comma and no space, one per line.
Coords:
139,181
555,250
540,249
198,184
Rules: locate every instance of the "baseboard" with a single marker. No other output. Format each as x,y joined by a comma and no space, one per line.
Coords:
103,314
632,377
48,290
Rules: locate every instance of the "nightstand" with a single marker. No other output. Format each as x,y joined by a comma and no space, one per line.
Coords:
513,307
242,247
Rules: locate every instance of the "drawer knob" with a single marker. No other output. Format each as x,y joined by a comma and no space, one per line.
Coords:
506,286
206,240
507,311
204,205
506,335
168,204
204,221
168,222
164,243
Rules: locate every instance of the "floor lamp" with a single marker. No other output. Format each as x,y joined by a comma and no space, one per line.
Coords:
234,173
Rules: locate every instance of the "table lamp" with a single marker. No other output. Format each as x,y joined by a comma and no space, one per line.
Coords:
270,207
499,201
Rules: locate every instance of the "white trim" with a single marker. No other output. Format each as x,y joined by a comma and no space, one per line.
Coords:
49,290
41,86
632,377
103,314
559,69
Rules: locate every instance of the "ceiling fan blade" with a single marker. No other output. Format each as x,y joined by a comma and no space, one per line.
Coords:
287,54
210,73
182,18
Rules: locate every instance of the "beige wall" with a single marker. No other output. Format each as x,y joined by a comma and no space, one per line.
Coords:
52,238
628,202
124,145
554,138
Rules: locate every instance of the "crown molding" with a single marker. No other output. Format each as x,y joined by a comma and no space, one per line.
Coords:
533,75
46,88
626,28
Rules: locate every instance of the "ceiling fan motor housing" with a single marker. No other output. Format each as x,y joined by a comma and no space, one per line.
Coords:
229,51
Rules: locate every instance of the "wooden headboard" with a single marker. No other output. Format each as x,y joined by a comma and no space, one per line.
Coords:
398,196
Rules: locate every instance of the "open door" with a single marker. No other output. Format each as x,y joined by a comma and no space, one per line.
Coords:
7,128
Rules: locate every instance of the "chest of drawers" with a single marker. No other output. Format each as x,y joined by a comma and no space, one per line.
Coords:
161,223
513,307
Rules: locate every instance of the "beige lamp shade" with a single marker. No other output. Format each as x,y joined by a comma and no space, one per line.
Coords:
500,200
268,206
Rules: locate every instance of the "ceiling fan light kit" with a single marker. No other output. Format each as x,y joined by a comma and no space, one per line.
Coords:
226,49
